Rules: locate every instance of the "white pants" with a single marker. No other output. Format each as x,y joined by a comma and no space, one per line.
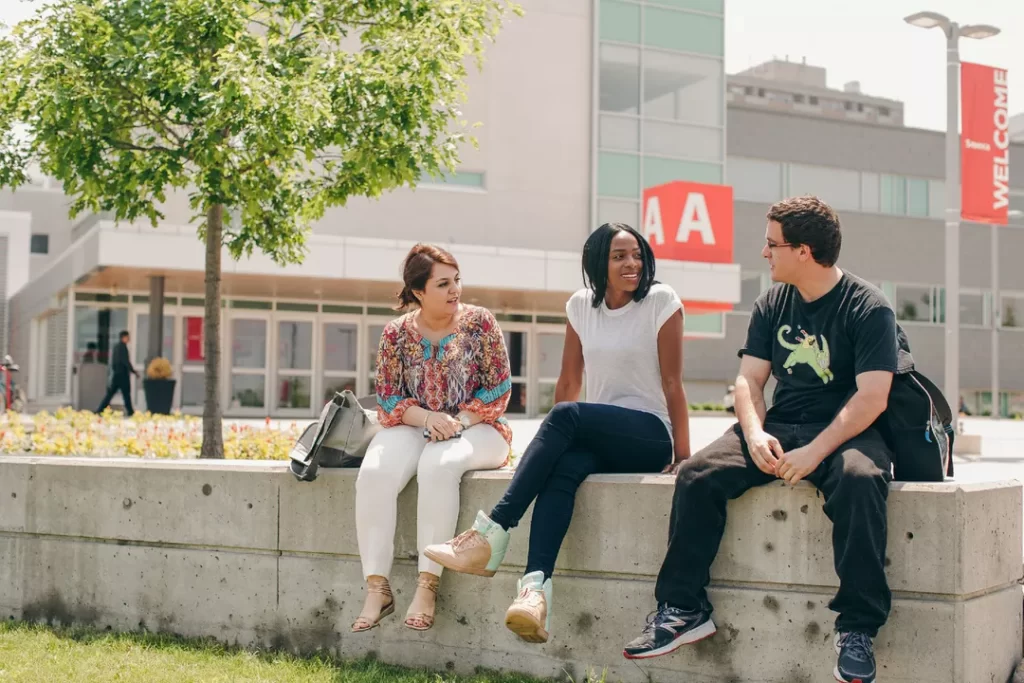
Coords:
393,457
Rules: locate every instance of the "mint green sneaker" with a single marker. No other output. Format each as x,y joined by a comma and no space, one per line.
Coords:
479,551
529,617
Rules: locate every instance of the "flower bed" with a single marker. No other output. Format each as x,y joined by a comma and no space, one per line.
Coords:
84,433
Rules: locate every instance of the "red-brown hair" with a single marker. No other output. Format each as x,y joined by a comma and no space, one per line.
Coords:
416,270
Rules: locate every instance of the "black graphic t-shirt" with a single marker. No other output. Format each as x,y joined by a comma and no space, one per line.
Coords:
817,349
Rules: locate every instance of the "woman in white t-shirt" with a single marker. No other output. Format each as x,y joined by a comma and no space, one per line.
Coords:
627,330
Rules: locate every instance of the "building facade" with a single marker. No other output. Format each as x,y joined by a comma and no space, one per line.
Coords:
585,105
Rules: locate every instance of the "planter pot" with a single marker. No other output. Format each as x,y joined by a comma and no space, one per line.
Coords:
159,395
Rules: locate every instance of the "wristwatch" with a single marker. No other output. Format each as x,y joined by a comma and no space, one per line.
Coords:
464,420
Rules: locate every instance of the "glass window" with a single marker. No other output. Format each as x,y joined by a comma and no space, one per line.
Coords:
294,392
751,287
549,356
972,309
517,399
754,180
869,192
373,334
516,346
618,175
341,344
682,31
620,21
460,178
913,303
620,79
247,391
97,330
248,344
618,132
710,6
894,194
682,88
193,389
839,187
658,171
1012,311
141,340
680,140
917,203
39,244
333,385
295,345
614,211
698,324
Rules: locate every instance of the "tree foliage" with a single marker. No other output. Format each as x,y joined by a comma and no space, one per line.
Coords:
266,111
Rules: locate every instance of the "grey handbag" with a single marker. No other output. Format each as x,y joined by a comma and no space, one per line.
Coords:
338,439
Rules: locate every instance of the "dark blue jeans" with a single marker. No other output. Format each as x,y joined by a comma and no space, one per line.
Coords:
576,440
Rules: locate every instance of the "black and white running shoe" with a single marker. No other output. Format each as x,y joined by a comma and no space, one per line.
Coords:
667,630
856,663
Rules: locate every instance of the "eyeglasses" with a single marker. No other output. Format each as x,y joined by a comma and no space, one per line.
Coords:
772,245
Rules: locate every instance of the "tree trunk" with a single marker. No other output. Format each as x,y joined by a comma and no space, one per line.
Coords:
213,430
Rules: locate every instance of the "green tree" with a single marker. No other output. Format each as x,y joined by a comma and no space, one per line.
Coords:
267,111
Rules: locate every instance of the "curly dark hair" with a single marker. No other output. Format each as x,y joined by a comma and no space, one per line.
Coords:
808,221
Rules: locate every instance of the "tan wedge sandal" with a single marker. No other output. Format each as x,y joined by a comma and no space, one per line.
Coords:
380,586
421,621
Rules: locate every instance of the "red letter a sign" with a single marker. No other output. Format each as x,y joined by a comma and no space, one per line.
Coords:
686,221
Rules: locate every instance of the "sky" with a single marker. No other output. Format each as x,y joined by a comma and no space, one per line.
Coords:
868,41
862,40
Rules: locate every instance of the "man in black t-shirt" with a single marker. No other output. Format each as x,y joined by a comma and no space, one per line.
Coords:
830,340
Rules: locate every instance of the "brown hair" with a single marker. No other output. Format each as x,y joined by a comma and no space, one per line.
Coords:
808,221
416,269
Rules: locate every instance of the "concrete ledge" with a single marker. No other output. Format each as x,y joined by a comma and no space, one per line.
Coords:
242,552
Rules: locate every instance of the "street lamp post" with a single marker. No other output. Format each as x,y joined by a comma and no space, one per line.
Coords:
953,32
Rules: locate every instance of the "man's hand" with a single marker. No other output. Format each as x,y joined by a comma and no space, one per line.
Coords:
765,451
797,464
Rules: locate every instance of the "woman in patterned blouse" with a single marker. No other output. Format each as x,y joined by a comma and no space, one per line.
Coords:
443,383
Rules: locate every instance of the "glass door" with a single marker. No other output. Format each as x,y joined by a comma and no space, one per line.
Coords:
517,336
248,349
293,384
550,339
191,388
339,349
140,349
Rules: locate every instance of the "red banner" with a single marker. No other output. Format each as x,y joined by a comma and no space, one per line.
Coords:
686,221
193,340
984,144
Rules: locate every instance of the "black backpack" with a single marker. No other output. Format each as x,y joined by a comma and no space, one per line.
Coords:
918,427
917,423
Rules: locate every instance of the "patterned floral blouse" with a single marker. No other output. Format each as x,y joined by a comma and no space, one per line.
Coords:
467,370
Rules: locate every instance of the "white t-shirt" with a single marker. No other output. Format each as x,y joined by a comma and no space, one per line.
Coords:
620,349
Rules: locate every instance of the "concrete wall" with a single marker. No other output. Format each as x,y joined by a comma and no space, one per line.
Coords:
242,552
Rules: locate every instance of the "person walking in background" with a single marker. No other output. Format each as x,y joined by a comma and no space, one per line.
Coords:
119,375
443,384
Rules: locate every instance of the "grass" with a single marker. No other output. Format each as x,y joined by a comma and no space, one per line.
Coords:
41,654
